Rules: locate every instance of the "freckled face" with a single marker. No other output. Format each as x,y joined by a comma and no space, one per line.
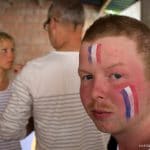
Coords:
6,54
102,84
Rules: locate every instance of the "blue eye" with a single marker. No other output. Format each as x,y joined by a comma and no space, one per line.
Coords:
115,76
87,77
4,50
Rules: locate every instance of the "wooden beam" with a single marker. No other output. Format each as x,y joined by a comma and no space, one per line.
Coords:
102,9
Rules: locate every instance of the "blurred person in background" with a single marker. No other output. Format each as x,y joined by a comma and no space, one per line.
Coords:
48,89
7,56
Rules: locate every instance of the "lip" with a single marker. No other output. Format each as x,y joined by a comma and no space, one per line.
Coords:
10,62
100,115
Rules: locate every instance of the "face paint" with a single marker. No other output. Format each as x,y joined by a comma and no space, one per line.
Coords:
131,102
94,53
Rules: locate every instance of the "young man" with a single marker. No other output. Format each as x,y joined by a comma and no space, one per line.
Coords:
115,79
48,89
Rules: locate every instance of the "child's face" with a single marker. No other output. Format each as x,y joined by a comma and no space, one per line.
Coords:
113,88
6,54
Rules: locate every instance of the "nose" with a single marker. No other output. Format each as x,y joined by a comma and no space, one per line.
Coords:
99,89
10,55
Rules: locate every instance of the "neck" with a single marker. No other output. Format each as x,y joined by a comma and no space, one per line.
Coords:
72,44
4,81
71,47
135,137
73,39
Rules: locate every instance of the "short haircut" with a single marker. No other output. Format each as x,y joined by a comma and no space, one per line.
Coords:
66,11
6,36
114,25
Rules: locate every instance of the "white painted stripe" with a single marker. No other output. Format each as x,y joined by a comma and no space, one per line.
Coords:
131,99
93,53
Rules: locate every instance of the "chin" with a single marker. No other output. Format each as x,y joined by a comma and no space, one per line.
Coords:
8,67
106,127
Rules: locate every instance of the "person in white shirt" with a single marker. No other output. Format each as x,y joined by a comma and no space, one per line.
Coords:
48,89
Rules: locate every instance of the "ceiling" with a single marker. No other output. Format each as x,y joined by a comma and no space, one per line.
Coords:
110,5
106,5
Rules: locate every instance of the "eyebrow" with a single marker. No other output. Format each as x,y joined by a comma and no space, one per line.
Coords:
115,65
108,67
82,70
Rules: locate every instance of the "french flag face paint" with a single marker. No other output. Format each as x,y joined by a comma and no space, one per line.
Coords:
94,53
130,100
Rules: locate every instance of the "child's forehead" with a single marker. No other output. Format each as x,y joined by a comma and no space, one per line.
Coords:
4,40
4,43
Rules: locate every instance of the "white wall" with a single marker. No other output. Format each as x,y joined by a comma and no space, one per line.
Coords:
133,11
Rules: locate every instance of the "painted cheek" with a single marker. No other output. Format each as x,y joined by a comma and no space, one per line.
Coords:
115,96
130,99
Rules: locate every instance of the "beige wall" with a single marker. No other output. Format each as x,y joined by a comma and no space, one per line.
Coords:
23,20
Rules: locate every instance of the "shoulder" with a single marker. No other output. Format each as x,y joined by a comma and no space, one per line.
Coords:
53,57
52,63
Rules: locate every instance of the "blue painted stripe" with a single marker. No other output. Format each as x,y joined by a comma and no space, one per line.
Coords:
89,56
127,103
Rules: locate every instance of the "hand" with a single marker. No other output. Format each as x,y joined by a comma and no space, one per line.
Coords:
17,68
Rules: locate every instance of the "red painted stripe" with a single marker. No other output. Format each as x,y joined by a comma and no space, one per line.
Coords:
136,103
98,53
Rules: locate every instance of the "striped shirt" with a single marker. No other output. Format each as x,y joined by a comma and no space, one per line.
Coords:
48,89
7,144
